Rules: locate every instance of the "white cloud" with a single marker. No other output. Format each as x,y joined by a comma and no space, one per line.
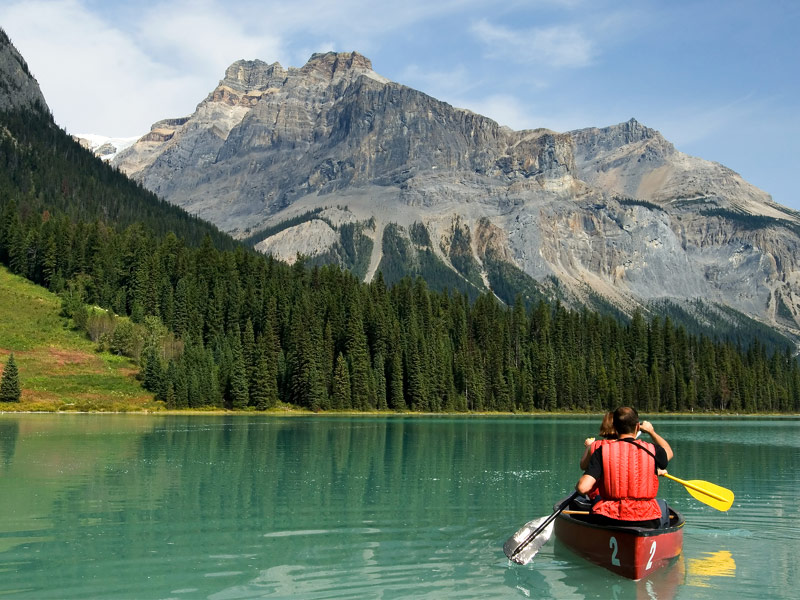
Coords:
204,37
553,46
360,18
94,77
115,69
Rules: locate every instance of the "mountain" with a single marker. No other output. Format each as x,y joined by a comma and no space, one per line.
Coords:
337,162
212,323
18,89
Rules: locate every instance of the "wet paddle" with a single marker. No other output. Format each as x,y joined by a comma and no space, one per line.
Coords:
525,543
708,493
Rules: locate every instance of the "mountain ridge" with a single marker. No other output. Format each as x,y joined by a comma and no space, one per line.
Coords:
617,211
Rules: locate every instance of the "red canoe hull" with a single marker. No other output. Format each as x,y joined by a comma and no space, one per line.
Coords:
631,552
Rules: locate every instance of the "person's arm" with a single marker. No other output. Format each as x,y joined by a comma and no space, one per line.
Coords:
587,453
647,427
593,472
585,484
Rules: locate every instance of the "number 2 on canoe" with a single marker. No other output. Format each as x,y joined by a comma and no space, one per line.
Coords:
612,543
652,554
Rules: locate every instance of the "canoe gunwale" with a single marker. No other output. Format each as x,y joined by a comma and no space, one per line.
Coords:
680,521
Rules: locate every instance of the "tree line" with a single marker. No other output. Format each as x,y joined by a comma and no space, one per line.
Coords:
233,328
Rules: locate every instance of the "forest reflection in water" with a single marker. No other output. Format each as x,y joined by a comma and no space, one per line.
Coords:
246,506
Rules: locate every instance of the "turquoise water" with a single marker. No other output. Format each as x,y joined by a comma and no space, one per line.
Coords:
134,506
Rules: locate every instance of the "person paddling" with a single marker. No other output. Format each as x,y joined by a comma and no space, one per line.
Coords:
626,474
607,433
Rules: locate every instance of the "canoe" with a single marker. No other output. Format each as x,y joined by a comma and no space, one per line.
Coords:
632,552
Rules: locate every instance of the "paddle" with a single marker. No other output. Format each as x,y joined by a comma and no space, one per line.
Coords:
714,495
708,493
525,543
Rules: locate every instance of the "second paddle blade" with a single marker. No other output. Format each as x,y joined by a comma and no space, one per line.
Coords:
525,555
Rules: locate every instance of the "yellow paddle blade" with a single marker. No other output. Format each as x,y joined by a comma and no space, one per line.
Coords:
713,495
708,493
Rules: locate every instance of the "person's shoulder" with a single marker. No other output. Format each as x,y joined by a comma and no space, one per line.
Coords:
600,443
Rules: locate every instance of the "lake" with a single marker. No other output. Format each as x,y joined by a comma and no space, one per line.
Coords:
228,507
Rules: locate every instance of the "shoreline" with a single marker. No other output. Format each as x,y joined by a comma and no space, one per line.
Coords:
298,412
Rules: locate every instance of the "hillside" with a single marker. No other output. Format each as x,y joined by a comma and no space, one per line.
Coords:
59,368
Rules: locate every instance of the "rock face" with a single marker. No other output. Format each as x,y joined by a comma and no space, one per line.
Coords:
616,213
18,88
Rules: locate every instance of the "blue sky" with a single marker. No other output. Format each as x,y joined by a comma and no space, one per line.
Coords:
719,78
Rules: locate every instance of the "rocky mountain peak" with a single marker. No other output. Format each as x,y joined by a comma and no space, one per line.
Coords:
245,75
595,139
635,130
333,64
18,88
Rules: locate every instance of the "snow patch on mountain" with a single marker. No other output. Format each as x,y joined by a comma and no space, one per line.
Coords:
103,146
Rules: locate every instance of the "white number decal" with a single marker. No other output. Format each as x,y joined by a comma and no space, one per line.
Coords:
652,554
612,543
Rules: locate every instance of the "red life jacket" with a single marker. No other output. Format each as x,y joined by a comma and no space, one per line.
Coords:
594,446
630,483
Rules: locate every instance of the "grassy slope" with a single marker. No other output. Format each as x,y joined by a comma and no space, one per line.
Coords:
59,368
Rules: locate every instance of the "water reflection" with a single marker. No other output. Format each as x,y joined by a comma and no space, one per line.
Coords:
576,578
259,506
9,431
566,575
712,564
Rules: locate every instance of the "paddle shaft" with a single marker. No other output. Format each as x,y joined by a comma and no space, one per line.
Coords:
544,525
695,488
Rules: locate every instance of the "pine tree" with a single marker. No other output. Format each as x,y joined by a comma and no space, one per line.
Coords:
10,390
153,370
264,392
16,250
269,372
307,385
361,378
341,384
396,398
250,352
181,307
9,221
180,385
380,381
239,384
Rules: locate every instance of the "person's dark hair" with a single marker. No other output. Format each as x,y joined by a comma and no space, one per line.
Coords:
625,419
607,430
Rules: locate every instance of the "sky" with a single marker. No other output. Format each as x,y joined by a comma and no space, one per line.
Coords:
720,79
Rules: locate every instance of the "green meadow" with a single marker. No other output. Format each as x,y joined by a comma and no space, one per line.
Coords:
59,368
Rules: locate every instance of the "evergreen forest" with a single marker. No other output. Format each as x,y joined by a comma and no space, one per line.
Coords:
214,323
